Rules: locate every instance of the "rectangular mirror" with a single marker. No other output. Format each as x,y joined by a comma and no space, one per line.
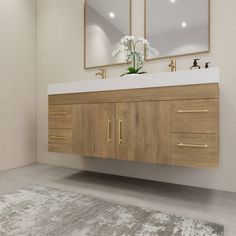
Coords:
106,22
177,27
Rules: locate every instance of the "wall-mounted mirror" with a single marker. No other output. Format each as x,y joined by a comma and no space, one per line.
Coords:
177,27
106,22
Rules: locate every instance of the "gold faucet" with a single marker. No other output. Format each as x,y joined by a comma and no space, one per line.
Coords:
172,65
102,73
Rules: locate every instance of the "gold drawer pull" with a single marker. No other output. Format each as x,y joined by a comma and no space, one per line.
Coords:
109,131
120,131
58,137
193,111
193,145
63,113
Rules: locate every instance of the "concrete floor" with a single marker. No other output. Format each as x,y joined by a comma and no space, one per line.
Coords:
213,206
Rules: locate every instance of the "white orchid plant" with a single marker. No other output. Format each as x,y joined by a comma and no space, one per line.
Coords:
128,48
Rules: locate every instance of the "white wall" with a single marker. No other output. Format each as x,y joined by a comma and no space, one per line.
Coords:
60,59
17,83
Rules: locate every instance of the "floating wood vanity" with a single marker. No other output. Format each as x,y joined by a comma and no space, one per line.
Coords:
174,122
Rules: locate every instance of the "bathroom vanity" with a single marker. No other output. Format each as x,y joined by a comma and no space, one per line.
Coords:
166,118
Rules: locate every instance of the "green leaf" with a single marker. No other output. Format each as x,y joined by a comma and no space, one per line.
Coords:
138,69
143,72
131,69
123,74
127,73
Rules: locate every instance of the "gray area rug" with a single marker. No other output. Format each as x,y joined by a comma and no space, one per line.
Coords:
39,210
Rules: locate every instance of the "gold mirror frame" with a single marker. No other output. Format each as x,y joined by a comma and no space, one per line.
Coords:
180,55
85,39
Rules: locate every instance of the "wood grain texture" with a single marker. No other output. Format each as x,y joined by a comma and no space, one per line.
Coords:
60,117
146,120
194,121
201,91
145,132
60,140
91,128
195,156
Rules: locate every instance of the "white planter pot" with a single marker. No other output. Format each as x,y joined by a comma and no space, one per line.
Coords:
131,75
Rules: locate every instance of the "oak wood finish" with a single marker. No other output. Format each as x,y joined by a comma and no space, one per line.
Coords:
200,156
144,130
60,140
94,130
60,117
170,125
202,91
195,116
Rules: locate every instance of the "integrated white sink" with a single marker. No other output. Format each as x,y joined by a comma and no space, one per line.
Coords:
204,76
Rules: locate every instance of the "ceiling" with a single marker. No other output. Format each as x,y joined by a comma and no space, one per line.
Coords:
121,9
165,16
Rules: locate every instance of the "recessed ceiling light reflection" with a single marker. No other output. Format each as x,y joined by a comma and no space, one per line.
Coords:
112,15
184,24
173,1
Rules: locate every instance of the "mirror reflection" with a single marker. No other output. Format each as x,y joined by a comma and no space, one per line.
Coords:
177,27
106,22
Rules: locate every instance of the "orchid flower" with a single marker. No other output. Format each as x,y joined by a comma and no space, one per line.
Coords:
128,48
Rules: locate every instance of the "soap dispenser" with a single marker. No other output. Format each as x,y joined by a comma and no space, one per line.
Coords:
195,65
207,65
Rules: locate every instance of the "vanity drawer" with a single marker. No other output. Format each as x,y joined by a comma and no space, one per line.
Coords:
60,117
194,150
195,116
60,140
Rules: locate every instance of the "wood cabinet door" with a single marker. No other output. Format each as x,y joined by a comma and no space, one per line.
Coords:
94,130
143,132
195,150
60,140
60,117
195,116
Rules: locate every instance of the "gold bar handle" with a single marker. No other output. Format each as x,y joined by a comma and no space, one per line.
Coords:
63,113
193,145
193,111
58,137
109,131
120,131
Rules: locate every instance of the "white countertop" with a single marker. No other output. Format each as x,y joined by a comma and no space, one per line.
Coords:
203,76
